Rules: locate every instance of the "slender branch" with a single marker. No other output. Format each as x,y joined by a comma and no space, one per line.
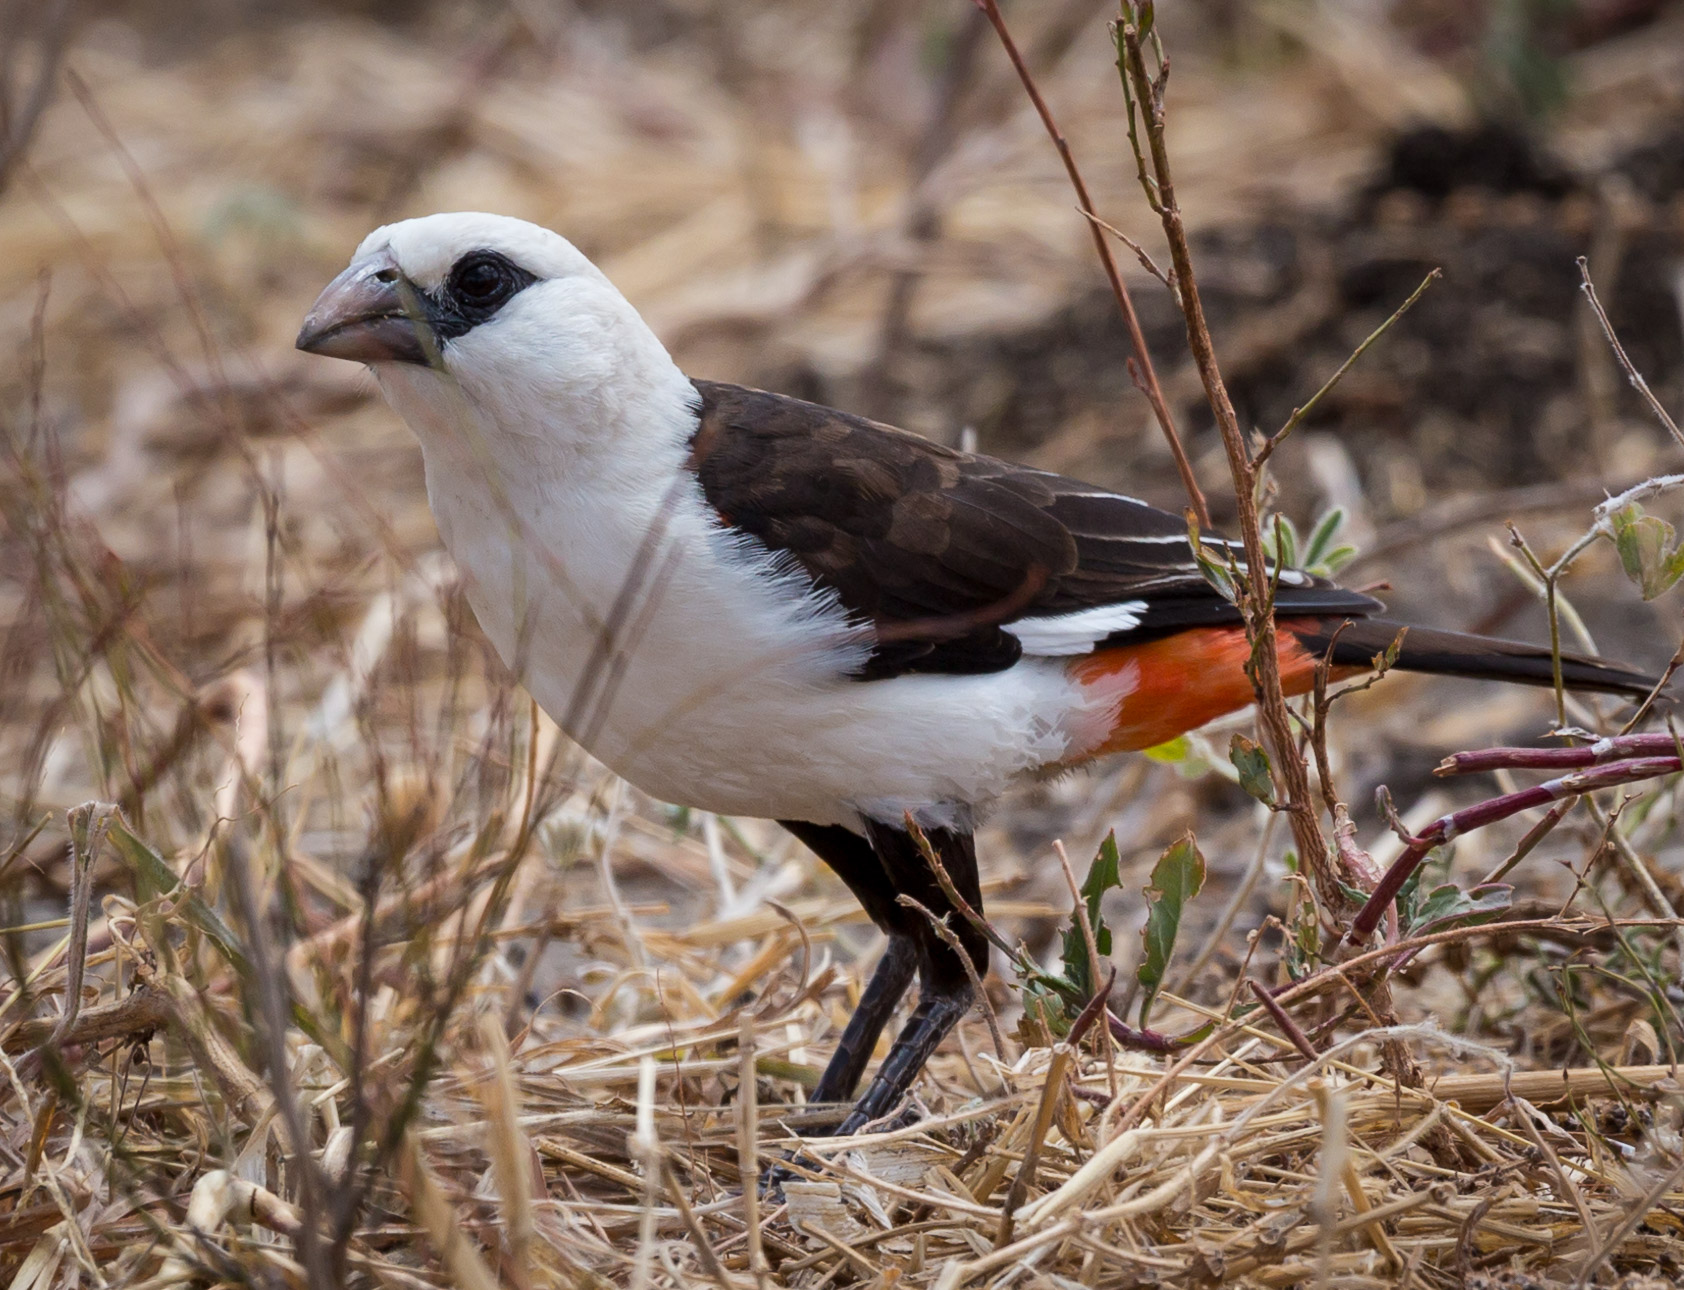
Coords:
1449,827
269,1011
939,925
1615,748
1640,492
1298,414
1552,607
1143,358
1632,374
140,1012
1146,261
1287,1025
1534,835
1292,777
88,824
944,880
1661,683
21,115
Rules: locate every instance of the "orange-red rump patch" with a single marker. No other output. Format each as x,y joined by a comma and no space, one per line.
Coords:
1178,683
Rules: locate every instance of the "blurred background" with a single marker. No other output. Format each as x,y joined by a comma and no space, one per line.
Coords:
850,202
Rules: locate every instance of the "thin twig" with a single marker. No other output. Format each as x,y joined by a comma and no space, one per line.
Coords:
1298,414
1661,683
1550,579
1288,1027
1148,381
1632,374
950,938
1613,748
1631,1214
1079,911
1051,1090
1147,94
944,880
1449,827
1146,261
18,121
271,1009
748,1140
88,823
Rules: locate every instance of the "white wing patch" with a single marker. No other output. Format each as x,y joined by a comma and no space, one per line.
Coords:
1075,633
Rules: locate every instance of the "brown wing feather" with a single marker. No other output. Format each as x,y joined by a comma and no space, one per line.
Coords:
943,550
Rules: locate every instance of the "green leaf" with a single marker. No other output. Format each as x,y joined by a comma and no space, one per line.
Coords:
1172,750
1356,895
1280,541
1048,1006
1409,896
1176,879
1103,876
1253,765
1187,756
1215,572
1303,948
1448,904
1649,550
1321,554
1387,659
1321,537
1334,561
154,878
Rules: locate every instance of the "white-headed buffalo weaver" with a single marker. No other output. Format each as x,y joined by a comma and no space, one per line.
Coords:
753,605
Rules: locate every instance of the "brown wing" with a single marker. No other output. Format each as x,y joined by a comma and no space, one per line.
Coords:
945,551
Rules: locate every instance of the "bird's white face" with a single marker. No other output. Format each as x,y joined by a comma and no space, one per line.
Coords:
506,313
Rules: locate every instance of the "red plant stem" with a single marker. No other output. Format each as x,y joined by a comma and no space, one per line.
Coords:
1614,748
1449,827
1148,381
1150,1041
1287,1025
1090,1013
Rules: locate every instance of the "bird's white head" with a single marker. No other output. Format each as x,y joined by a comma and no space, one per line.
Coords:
504,320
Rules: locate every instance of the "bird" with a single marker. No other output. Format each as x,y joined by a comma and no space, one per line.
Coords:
749,604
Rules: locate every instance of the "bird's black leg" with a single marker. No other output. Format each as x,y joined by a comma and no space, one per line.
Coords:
857,864
877,1004
878,869
944,986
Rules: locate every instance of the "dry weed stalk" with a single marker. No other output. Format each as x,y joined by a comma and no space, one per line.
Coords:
1146,376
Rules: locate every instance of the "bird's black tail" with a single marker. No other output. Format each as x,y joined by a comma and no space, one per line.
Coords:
1460,654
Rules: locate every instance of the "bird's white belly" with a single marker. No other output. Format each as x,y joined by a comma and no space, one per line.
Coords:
722,690
824,751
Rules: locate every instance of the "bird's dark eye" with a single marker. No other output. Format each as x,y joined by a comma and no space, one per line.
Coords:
479,281
482,282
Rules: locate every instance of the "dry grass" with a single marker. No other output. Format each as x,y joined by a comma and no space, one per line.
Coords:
359,897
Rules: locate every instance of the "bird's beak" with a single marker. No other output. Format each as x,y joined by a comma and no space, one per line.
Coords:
369,314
